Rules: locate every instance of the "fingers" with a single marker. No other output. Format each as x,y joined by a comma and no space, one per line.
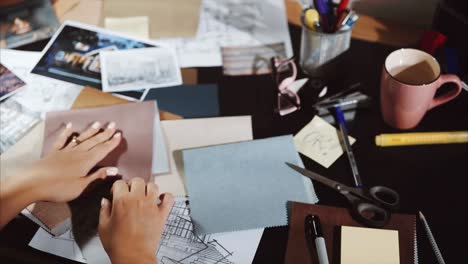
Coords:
63,137
102,173
98,138
102,150
119,189
104,213
90,131
152,191
137,187
167,201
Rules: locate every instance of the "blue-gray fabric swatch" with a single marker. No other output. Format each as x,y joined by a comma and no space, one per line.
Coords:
244,185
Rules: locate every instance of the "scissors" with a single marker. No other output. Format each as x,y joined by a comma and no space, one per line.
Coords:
369,206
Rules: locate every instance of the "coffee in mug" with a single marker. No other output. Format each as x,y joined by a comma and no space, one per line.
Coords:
410,79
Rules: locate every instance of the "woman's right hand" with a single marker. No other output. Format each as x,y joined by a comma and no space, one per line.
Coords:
131,226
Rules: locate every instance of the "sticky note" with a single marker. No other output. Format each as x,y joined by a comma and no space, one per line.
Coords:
132,26
320,141
361,245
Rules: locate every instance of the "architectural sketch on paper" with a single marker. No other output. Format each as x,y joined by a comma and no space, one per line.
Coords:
231,23
15,122
179,244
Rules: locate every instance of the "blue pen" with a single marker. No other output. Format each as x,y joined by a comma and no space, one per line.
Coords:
344,137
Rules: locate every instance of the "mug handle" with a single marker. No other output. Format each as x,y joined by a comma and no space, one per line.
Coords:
445,78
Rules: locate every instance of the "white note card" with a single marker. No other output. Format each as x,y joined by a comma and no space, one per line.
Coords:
319,141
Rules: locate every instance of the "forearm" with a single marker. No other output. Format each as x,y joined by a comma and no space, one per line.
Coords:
16,193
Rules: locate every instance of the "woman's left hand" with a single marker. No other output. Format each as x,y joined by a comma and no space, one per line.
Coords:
62,174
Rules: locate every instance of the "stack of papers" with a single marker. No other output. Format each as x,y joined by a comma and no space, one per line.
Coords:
231,23
178,244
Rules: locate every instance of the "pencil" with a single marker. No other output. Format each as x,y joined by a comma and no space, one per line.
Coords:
431,238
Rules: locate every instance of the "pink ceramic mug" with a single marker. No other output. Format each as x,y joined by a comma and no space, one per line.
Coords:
410,79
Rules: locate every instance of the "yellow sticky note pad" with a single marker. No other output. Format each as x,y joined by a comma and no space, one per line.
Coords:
319,141
361,245
132,26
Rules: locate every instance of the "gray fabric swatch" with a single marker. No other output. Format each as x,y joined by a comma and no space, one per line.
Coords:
244,185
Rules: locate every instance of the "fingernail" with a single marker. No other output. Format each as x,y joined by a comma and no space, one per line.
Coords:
69,125
112,171
103,202
117,135
96,125
111,125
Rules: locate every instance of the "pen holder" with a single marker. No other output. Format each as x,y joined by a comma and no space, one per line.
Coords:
320,52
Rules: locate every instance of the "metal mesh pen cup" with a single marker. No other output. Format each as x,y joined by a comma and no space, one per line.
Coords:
320,52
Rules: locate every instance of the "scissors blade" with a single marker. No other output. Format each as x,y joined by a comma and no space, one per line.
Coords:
315,176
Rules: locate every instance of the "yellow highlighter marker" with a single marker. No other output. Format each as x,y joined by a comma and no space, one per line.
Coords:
310,17
424,138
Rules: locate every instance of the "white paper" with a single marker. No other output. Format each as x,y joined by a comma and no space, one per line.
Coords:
15,122
180,245
137,69
233,23
63,245
41,94
160,159
193,133
319,141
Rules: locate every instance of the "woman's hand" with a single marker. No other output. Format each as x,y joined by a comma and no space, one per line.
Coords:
131,227
62,175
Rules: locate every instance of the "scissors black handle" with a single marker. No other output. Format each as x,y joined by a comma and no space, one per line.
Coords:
370,214
385,197
373,209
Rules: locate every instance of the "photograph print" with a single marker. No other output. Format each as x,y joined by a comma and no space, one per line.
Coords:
9,82
127,70
72,55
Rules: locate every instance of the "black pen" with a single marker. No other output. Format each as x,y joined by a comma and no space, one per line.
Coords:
314,229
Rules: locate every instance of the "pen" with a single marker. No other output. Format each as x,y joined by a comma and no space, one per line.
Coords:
422,138
341,7
322,9
314,230
344,136
431,238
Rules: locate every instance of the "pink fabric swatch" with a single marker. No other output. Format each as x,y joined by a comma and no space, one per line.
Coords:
134,155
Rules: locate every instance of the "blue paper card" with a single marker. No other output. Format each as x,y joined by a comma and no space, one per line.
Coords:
244,185
188,101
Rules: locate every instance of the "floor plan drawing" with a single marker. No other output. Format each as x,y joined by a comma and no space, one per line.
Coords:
179,244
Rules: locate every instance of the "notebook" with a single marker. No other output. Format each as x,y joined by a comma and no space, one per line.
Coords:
332,218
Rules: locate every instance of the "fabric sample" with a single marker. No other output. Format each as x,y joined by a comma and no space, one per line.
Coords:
194,133
244,185
189,101
133,157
